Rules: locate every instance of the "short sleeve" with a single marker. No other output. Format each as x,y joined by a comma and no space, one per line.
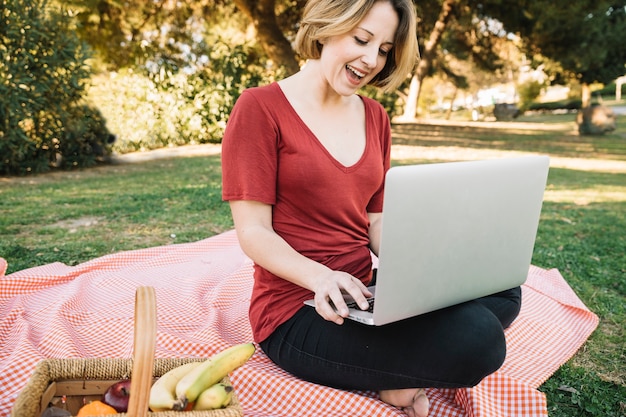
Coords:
249,152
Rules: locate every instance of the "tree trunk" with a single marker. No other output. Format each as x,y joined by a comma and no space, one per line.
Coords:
618,87
263,16
428,55
410,109
586,97
452,100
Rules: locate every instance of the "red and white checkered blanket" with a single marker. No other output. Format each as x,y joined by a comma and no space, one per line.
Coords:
203,289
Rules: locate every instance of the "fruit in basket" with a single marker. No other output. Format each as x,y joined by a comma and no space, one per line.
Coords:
117,395
163,391
96,408
212,371
216,396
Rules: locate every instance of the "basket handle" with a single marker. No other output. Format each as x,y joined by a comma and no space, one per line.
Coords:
144,348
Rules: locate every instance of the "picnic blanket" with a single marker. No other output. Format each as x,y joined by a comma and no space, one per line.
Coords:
203,291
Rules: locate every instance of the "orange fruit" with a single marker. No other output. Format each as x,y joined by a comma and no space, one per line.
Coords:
95,408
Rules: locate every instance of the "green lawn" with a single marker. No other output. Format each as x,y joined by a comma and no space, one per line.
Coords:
72,217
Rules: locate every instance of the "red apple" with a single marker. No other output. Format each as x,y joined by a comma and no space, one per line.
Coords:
117,395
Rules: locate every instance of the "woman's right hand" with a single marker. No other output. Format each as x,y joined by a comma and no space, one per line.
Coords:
253,222
331,288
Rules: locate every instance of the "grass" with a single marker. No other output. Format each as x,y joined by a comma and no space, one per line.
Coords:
72,217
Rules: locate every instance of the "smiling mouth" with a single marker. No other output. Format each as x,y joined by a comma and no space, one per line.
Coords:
357,74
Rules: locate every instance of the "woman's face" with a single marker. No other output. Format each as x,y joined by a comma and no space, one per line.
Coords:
351,60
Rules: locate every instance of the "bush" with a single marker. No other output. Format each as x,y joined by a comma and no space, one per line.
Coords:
528,92
86,139
388,100
608,91
42,76
572,104
166,106
129,101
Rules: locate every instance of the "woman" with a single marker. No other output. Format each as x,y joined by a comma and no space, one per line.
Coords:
303,166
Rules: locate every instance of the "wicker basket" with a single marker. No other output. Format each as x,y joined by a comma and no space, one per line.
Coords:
74,381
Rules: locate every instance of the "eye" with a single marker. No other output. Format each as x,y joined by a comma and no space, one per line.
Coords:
381,51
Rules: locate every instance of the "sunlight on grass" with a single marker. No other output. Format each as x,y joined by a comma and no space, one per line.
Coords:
587,196
408,154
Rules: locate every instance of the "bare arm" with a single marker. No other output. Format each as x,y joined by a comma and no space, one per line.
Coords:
374,231
253,223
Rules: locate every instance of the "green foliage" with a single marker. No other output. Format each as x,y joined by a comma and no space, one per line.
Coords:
608,91
528,92
132,33
388,100
129,101
42,76
585,37
169,106
573,104
86,139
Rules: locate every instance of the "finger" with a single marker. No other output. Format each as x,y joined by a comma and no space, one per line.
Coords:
359,292
331,315
325,308
341,308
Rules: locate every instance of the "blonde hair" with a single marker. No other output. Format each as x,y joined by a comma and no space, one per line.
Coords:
325,18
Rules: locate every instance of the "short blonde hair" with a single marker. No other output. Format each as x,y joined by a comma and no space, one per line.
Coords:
325,18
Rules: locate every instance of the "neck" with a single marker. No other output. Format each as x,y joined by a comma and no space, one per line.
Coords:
310,84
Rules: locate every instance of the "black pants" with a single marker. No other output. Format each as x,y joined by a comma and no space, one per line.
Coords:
449,348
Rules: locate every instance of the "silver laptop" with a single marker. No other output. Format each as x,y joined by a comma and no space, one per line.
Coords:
453,232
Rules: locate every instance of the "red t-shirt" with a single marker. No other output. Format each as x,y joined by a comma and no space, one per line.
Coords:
319,206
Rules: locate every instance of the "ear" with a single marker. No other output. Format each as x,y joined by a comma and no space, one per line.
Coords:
319,45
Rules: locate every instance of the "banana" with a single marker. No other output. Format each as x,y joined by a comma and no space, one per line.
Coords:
212,371
216,396
163,391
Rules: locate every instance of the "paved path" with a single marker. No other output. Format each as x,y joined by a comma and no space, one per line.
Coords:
171,152
439,153
621,110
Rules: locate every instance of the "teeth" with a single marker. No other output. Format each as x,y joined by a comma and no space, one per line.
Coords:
355,71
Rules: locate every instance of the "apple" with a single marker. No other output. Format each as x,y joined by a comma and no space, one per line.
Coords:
117,395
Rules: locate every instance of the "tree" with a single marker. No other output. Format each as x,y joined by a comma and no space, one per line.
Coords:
262,13
126,35
42,76
586,38
129,34
455,34
427,57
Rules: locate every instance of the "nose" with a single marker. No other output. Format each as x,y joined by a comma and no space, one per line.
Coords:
370,57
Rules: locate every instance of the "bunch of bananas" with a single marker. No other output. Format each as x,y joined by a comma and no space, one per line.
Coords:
198,383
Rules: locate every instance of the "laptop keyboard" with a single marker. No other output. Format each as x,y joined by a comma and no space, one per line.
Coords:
354,305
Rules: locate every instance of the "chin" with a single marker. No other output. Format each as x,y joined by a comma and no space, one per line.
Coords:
348,90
